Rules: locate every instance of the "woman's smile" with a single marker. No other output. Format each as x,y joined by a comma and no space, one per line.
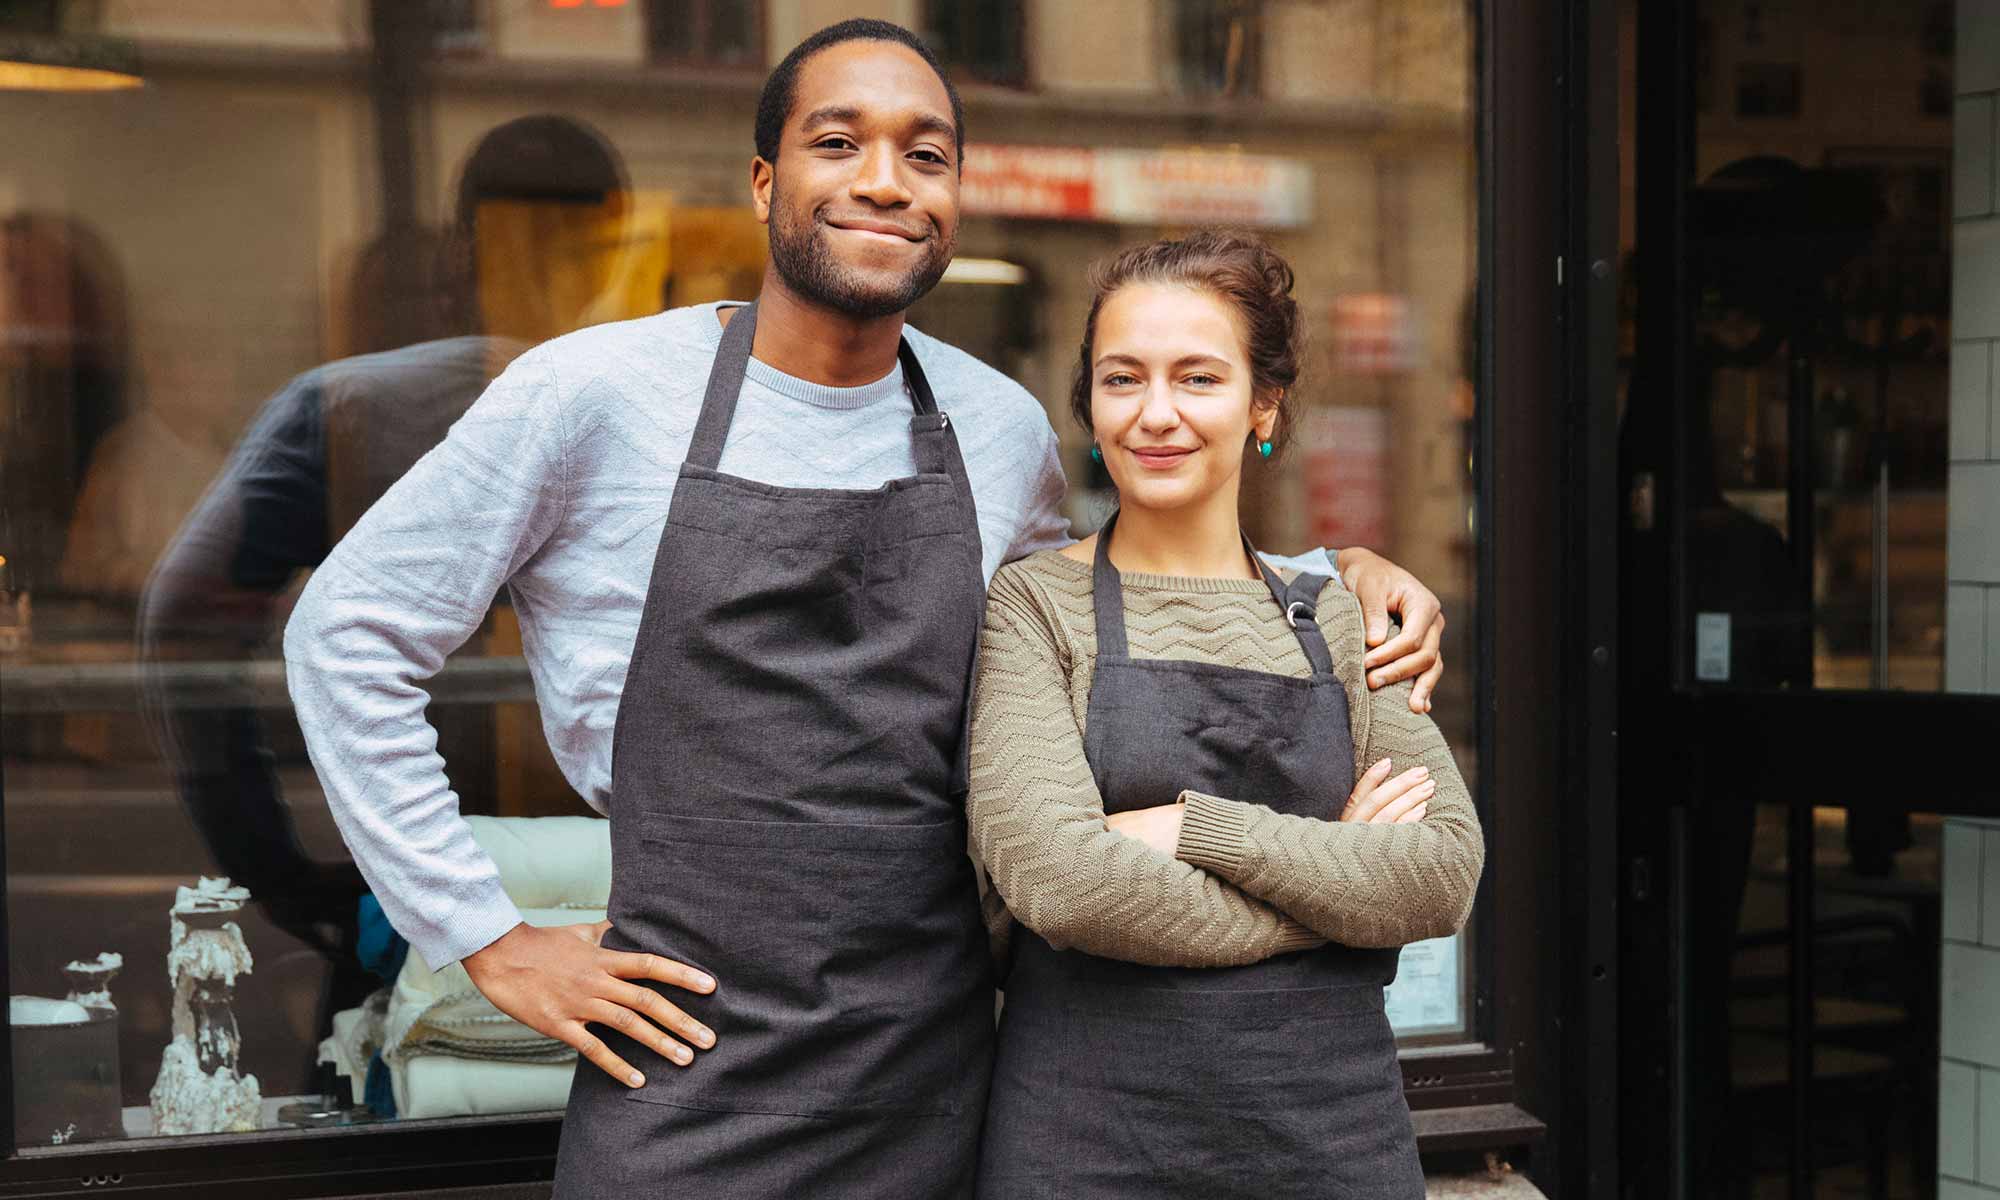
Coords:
1160,458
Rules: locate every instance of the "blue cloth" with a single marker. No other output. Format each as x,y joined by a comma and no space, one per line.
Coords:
377,944
377,1093
382,950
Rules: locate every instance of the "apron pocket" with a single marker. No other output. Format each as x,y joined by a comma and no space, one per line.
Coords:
835,950
1283,1091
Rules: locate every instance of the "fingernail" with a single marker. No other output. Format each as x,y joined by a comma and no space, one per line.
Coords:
636,1079
683,1055
1423,772
705,1037
704,983
1382,765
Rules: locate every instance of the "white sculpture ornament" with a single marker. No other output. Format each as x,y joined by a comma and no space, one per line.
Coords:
201,1088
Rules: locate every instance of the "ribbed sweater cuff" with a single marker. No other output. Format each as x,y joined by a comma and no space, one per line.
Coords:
1297,937
1213,834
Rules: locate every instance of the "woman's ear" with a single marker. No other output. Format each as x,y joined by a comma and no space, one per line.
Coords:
1264,416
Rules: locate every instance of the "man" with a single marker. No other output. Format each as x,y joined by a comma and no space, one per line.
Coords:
767,693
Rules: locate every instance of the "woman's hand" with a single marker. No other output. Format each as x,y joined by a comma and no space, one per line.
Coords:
1385,589
556,978
1380,800
1158,827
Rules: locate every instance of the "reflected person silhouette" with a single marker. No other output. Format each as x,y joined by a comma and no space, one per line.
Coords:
317,455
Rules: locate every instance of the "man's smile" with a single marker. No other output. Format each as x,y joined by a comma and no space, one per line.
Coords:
877,227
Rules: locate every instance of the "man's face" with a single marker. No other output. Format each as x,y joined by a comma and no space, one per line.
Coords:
863,200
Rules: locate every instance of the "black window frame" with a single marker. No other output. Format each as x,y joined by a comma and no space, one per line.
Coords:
1531,1076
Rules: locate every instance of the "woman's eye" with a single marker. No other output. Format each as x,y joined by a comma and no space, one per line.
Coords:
1121,379
1203,380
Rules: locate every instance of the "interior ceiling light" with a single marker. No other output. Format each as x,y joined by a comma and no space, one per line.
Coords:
66,63
985,270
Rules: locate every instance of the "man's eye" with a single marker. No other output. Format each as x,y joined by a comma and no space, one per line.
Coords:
835,142
930,156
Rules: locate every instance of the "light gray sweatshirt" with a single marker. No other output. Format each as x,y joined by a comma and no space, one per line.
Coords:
555,485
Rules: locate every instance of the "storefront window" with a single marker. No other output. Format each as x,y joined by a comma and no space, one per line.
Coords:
232,315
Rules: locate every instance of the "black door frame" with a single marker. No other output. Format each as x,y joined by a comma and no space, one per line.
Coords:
1550,629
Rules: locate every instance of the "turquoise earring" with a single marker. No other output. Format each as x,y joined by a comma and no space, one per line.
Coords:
1096,455
1264,448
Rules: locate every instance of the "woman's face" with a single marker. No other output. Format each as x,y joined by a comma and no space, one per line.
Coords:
1170,395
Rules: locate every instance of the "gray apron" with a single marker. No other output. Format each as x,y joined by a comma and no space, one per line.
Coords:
1267,1081
788,815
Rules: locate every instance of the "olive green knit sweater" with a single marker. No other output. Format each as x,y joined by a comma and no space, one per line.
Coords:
1246,882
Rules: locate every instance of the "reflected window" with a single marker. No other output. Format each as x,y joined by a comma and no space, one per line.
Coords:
706,33
1218,46
455,27
982,40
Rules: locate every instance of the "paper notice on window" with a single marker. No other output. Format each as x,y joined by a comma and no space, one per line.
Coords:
1427,996
1711,647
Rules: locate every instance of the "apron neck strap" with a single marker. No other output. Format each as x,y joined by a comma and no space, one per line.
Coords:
1299,600
936,451
725,384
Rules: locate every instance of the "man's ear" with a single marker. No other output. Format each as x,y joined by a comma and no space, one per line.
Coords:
762,178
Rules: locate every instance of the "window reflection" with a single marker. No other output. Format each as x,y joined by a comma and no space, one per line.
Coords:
201,392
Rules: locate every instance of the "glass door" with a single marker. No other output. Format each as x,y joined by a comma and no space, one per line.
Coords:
1811,588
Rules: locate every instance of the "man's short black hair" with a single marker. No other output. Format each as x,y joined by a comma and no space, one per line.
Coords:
774,107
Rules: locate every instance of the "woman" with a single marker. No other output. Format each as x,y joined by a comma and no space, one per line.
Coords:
1163,792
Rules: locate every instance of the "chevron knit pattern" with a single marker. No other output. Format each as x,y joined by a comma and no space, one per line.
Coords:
1247,882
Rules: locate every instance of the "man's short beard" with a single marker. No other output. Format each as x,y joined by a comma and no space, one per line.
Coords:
807,265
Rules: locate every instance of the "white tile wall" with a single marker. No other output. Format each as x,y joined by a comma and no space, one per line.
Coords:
1987,1122
1971,400
1965,638
1969,1072
1978,46
1971,1031
1972,157
1975,279
1972,536
1954,1189
1972,632
1963,881
1989,909
1958,1117
1993,639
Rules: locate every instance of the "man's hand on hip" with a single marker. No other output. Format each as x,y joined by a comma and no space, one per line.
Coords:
1386,589
555,979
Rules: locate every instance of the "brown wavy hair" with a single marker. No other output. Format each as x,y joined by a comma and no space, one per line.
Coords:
1249,276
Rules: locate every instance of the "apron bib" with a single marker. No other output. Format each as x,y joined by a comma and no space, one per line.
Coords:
1265,1082
788,815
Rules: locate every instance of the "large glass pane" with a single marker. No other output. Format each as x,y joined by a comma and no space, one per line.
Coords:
1833,398
239,301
